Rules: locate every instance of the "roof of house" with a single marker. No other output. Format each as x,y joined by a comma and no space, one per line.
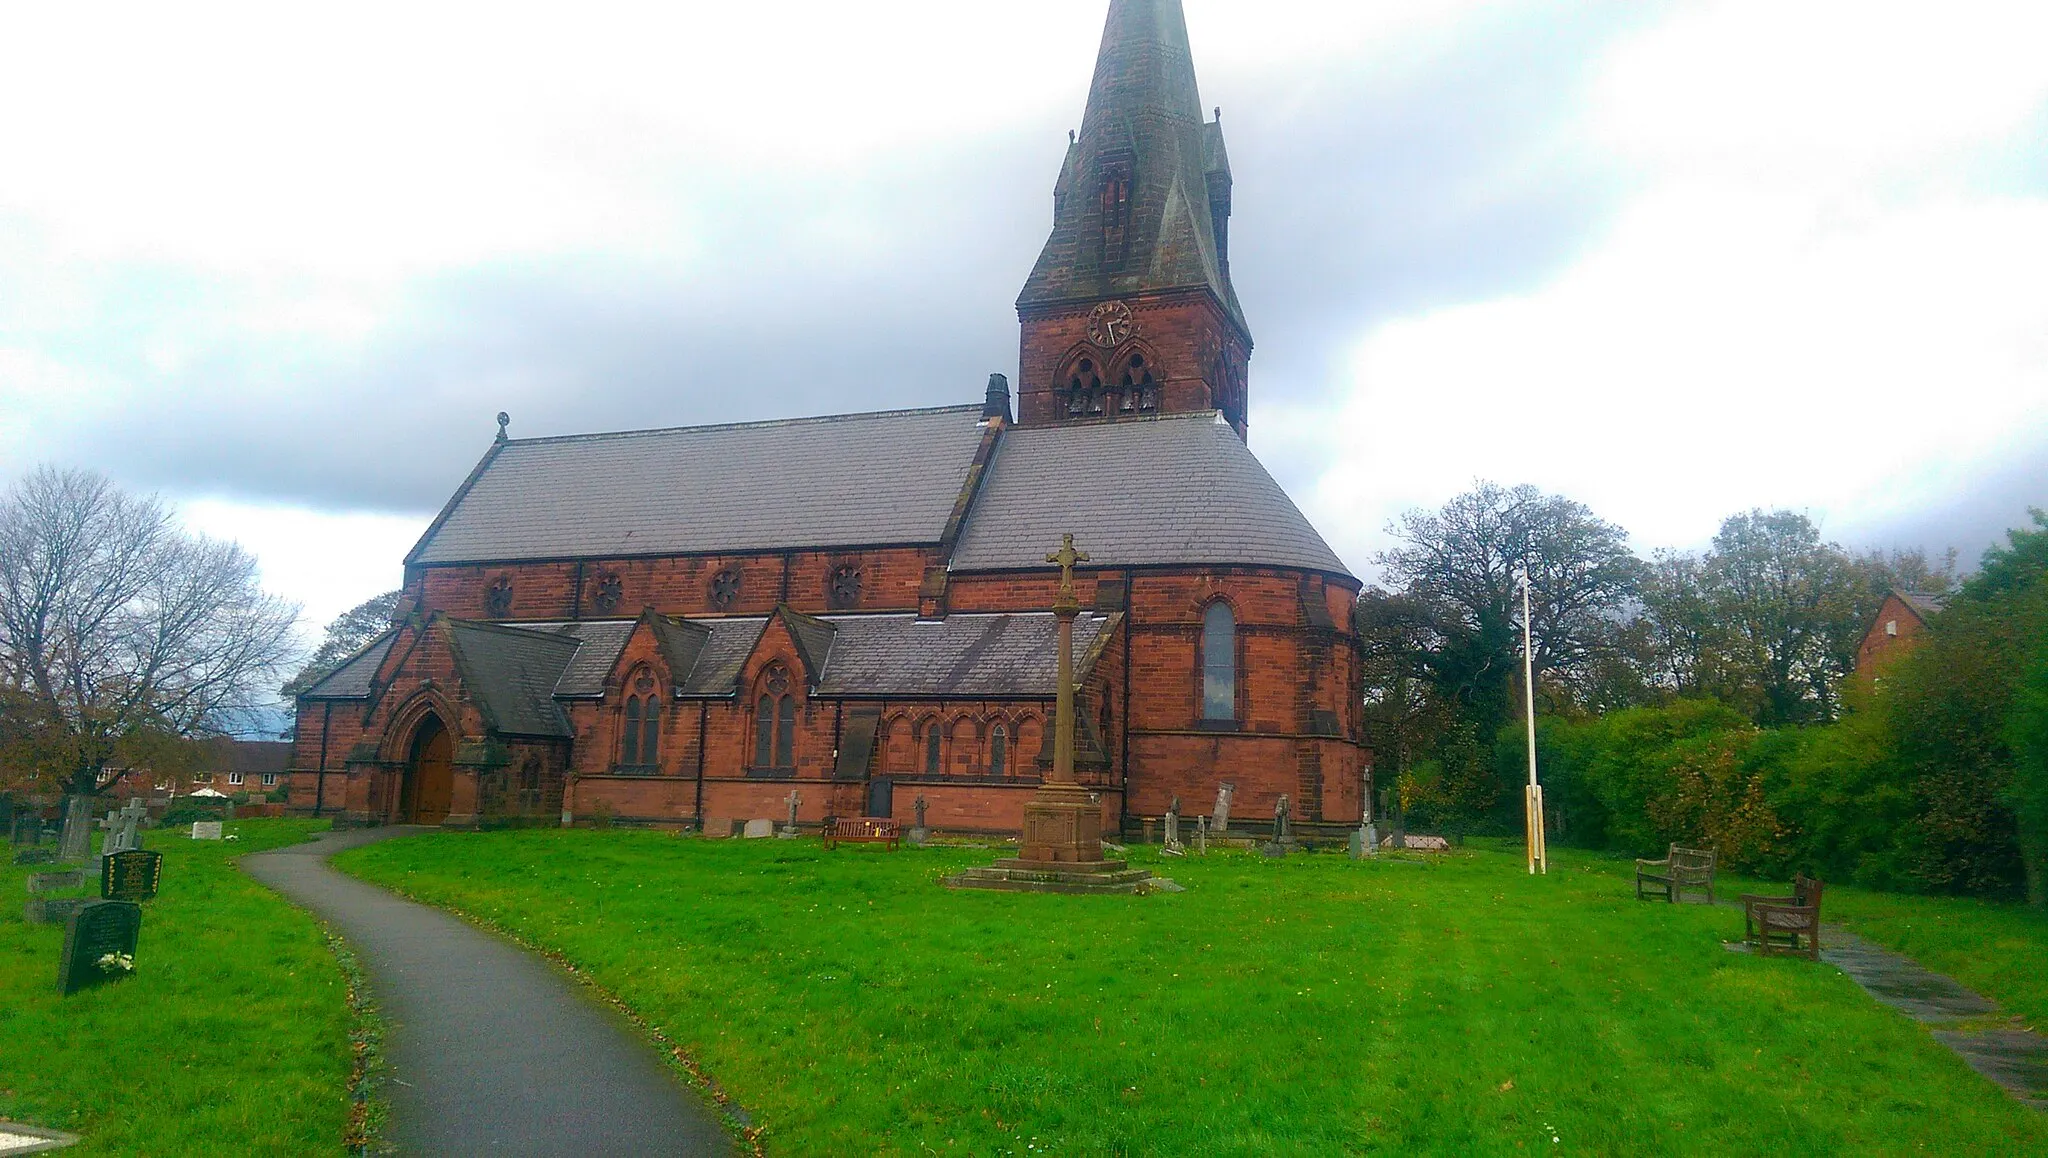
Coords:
249,757
846,480
1923,603
1180,488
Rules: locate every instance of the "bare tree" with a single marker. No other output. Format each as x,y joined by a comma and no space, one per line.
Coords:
121,635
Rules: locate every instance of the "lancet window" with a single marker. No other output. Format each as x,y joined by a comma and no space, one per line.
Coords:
640,729
775,721
1219,663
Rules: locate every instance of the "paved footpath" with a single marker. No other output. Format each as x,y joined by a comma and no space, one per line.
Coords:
490,1051
1996,1044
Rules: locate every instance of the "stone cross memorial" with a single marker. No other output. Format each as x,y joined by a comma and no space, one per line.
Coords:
920,833
99,945
131,875
794,799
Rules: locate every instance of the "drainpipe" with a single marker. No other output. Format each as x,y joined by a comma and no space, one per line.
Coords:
703,719
1130,613
320,777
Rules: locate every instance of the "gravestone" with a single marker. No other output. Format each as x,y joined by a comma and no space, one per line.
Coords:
131,875
1283,830
51,910
27,829
56,882
759,829
793,799
920,832
76,840
36,856
717,828
1202,837
206,830
99,944
1219,820
1173,846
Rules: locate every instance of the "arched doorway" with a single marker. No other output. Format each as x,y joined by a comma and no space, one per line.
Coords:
429,775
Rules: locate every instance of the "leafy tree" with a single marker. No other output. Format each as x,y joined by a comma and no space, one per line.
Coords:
2026,731
1460,569
350,632
120,635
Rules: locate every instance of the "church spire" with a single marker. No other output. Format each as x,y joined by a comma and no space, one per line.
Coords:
1141,216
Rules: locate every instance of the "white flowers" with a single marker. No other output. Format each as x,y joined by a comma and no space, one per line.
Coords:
116,963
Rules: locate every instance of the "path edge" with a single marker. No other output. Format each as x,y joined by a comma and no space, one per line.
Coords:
736,1120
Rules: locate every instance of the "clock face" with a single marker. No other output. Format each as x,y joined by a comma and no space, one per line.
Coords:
1111,323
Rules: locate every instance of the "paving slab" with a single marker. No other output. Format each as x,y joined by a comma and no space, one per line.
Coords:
489,1049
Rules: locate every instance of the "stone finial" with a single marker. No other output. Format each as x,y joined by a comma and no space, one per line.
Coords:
504,422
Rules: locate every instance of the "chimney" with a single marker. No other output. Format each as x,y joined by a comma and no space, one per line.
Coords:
997,403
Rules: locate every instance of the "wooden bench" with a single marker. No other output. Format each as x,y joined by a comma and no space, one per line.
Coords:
1777,924
861,830
1681,869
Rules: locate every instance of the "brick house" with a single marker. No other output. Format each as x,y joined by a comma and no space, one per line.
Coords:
1899,620
670,626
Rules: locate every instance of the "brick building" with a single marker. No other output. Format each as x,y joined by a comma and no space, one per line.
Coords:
669,626
1899,621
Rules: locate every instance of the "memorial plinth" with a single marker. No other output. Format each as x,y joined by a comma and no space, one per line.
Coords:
1060,849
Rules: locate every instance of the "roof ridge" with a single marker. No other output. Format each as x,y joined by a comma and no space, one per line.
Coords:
507,629
761,424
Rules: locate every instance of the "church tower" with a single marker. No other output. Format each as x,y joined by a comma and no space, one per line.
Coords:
1129,311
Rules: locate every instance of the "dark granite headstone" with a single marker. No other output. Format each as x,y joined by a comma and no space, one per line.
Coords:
99,944
131,876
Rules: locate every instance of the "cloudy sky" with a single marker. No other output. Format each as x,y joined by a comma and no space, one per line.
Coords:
1672,259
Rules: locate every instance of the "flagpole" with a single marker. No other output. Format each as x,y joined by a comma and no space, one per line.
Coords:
1538,854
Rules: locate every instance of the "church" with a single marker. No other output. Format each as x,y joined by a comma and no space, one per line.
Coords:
692,626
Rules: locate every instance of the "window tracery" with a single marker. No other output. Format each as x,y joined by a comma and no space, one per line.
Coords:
610,591
725,589
775,721
843,589
498,598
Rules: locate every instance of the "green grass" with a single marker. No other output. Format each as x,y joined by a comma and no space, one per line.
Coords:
1306,1006
2000,950
231,1037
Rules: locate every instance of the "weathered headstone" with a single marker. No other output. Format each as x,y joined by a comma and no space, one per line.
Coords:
1283,830
99,944
51,910
1202,837
919,833
1219,820
76,840
1173,846
794,799
27,829
717,828
759,829
206,830
35,856
131,875
56,882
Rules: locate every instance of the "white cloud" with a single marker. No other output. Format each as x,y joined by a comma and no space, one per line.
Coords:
328,562
1805,303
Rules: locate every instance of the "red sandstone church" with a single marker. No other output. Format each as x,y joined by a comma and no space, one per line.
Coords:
680,626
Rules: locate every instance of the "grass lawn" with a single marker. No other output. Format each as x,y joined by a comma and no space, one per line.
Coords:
1306,1006
231,1037
1999,950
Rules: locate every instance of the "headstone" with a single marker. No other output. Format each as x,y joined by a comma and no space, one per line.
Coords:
1358,843
1202,837
27,828
206,830
36,856
52,910
793,799
99,944
1372,839
1283,830
920,833
56,882
717,828
760,829
131,875
1173,846
76,840
1219,820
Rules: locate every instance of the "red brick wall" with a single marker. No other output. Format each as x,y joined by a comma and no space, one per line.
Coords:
1878,644
1198,357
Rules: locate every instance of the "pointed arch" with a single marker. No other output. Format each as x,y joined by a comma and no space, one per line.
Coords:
1219,663
1081,380
1135,381
775,718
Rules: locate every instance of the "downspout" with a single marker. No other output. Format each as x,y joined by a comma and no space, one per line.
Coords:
1130,620
788,562
576,608
320,777
703,719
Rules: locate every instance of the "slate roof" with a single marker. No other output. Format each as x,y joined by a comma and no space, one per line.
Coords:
511,675
1923,603
1177,488
849,480
997,656
602,640
351,681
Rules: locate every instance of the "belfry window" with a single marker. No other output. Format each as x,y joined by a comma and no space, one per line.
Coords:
1219,663
1138,391
1084,389
775,721
1116,212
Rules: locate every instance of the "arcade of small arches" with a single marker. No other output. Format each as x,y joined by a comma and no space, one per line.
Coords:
994,745
1128,387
